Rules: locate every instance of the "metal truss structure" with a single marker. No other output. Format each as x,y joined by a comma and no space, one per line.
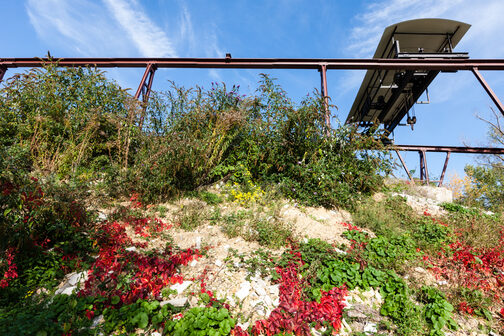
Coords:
322,65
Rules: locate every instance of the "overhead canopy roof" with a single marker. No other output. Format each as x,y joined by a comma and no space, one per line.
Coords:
385,96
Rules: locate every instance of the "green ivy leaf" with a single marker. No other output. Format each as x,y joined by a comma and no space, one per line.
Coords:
143,320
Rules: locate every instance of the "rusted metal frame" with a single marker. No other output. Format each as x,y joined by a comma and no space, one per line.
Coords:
325,95
405,167
3,70
444,169
422,150
146,83
144,89
488,89
265,63
451,149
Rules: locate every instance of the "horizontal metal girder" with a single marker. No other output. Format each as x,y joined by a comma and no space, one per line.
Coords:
264,63
449,149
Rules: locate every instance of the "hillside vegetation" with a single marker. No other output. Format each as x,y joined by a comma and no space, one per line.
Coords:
208,212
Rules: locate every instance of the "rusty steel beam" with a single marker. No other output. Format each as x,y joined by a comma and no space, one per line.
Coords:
451,149
488,90
146,83
265,63
444,169
325,95
424,170
144,89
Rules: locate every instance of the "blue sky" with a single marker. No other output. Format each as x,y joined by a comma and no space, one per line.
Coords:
271,28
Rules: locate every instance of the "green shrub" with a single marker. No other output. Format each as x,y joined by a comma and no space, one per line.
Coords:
71,120
48,316
437,310
195,137
202,321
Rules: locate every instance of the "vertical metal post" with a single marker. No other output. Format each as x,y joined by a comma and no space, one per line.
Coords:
444,169
3,70
421,166
405,167
488,89
424,170
323,86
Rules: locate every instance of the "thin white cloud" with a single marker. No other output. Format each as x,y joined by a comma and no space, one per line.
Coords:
379,15
484,37
187,37
79,26
198,39
122,27
150,40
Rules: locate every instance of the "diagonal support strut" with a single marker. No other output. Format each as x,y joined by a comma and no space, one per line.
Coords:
144,89
488,89
3,70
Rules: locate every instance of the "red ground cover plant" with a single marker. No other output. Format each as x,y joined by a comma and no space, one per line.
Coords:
465,308
294,315
11,272
474,268
146,227
128,274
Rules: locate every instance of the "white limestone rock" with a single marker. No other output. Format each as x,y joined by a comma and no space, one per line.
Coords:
181,287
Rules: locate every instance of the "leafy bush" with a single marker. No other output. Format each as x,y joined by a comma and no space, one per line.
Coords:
202,321
397,222
58,315
140,314
72,121
437,310
77,124
344,270
195,137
